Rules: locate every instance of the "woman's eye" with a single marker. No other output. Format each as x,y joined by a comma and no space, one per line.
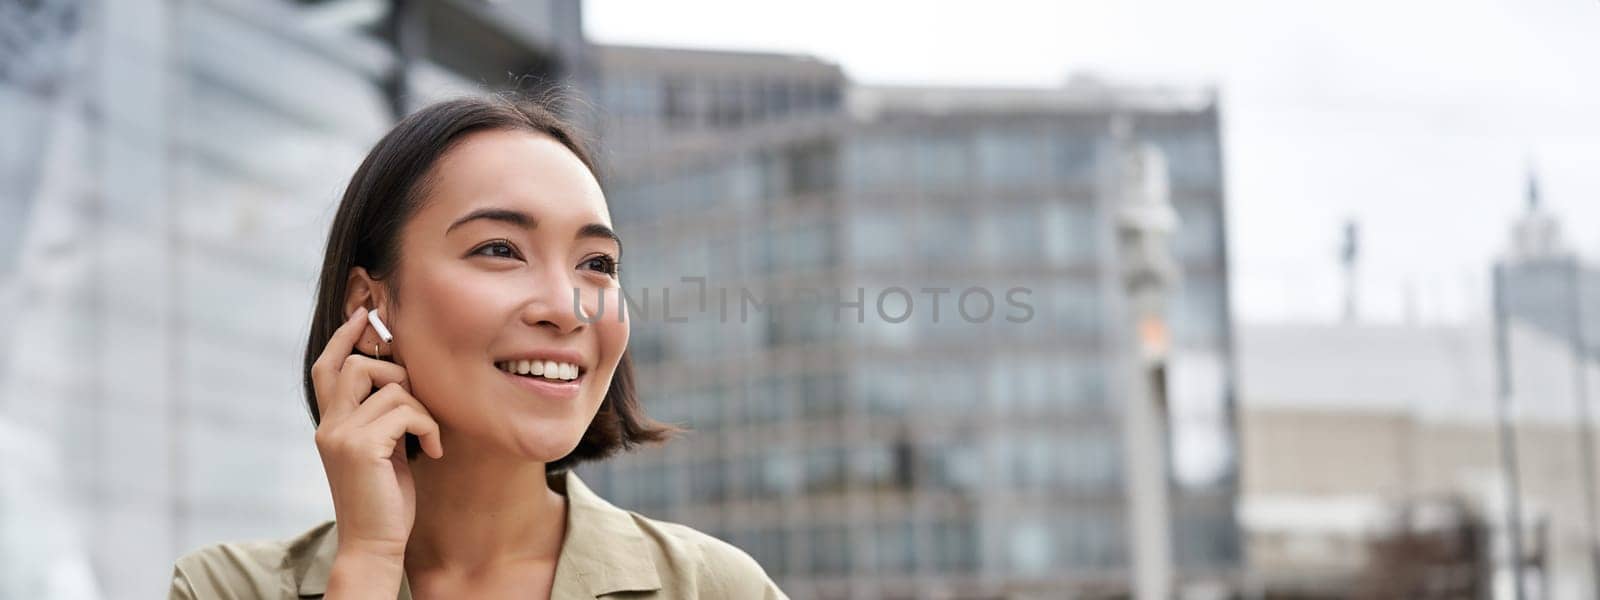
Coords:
602,263
494,248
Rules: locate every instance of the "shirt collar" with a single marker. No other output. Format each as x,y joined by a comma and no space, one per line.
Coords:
603,550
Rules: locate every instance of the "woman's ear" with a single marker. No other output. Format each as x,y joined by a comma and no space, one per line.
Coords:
360,290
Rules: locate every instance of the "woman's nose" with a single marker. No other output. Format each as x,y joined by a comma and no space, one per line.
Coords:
557,302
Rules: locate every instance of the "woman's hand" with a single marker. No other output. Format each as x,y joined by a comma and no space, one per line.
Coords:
359,438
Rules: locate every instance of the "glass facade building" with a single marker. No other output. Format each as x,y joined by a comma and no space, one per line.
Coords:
162,237
164,199
885,325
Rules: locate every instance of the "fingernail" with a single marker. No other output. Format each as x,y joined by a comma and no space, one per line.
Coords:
355,313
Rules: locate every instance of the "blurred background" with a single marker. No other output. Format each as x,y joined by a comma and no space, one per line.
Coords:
1000,300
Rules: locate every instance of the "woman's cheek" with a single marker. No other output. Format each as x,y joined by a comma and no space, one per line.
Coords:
624,322
614,334
608,304
614,339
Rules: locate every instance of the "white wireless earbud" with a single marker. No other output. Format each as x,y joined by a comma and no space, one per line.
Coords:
383,332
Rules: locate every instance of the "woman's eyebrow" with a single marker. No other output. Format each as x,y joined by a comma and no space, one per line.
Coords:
600,230
527,221
506,215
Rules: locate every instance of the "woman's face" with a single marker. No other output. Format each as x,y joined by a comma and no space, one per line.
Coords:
511,225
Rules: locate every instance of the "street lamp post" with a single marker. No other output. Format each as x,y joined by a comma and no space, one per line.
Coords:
1508,435
1144,222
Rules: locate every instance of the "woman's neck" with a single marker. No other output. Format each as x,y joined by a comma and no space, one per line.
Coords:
478,509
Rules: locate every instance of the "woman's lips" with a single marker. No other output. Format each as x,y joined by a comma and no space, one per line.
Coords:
555,390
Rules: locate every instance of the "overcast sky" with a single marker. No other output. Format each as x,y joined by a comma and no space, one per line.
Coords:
1418,118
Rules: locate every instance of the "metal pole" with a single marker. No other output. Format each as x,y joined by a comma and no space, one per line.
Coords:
1580,392
1146,272
1148,502
1508,439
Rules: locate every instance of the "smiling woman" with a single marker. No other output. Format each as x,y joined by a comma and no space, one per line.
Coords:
478,233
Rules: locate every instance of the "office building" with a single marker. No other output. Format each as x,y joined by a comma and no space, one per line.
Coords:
853,443
163,205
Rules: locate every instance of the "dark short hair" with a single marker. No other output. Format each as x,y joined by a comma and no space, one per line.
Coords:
388,189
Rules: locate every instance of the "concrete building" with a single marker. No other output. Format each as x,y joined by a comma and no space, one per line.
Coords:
1342,424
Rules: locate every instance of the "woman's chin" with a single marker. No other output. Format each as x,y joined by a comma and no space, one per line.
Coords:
544,444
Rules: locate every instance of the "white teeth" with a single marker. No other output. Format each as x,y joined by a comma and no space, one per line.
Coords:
540,368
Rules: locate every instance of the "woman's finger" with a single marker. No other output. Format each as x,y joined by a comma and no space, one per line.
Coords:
382,401
412,419
361,374
325,370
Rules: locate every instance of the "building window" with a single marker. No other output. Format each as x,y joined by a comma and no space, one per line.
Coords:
1072,158
780,472
707,481
955,546
896,548
1032,547
946,234
1199,235
1092,540
805,245
941,162
1200,313
812,168
821,394
884,391
769,547
953,465
824,469
874,162
676,105
872,466
1073,308
876,237
1192,156
727,107
1070,232
830,549
767,400
1012,233
1012,158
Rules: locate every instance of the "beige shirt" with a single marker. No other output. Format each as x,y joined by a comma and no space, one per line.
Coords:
605,550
